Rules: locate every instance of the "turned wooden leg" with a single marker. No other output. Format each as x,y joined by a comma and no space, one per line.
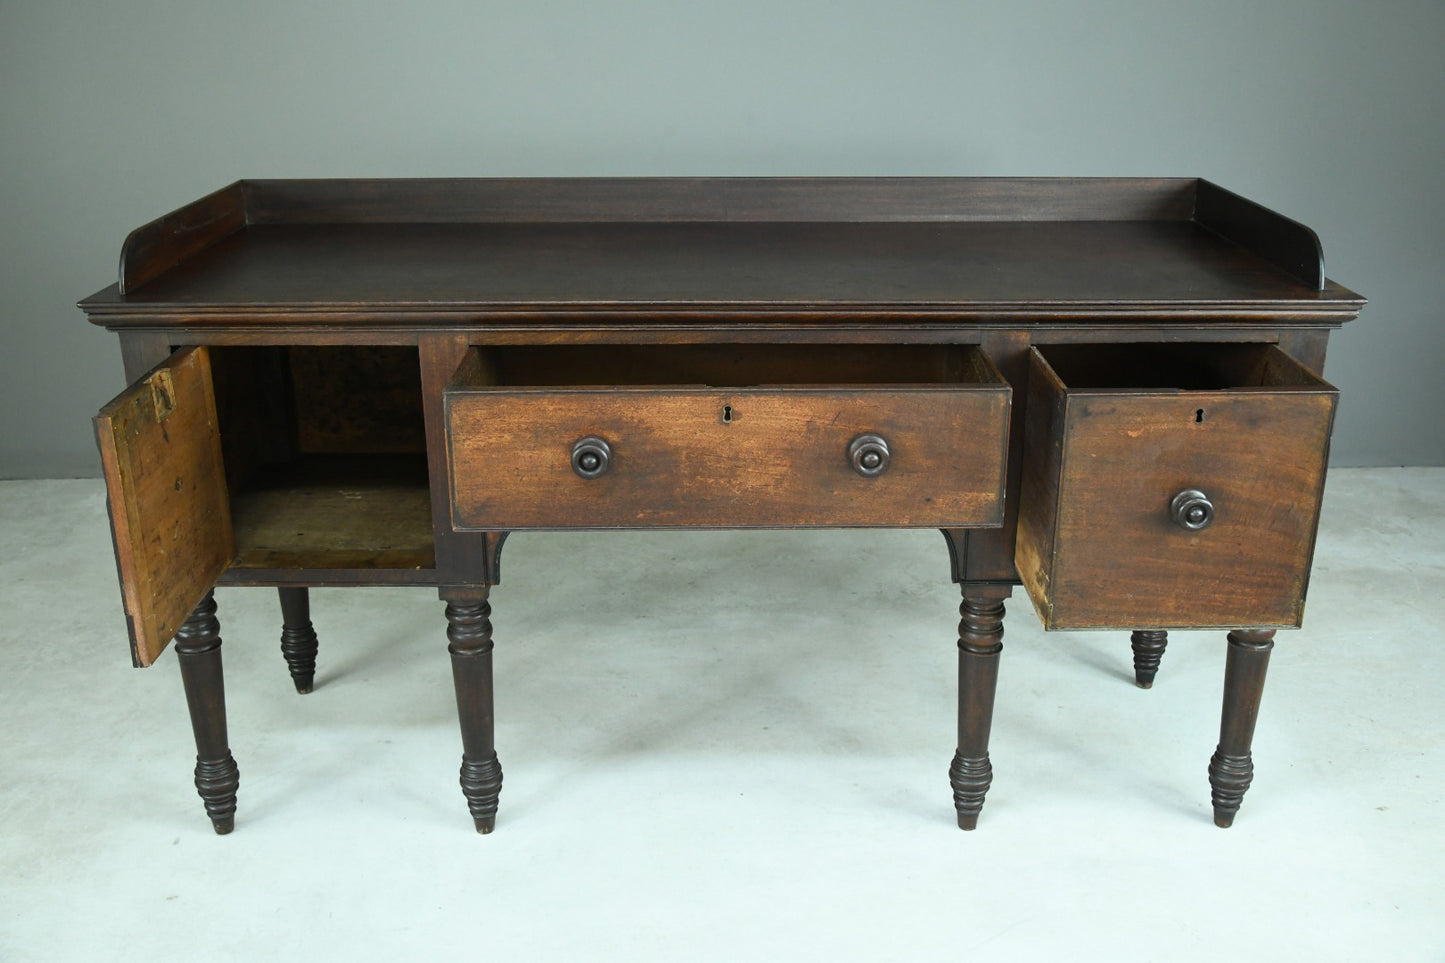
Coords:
1231,769
1148,645
980,635
298,637
198,648
469,630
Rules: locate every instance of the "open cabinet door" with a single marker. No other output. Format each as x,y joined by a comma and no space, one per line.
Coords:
169,511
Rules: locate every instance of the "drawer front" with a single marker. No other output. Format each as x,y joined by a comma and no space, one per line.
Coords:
724,458
1171,509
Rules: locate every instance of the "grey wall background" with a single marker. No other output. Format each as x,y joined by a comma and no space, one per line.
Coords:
112,114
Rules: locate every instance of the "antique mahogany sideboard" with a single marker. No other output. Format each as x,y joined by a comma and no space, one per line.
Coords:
1106,390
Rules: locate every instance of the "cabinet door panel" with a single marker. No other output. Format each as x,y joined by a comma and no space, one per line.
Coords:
166,491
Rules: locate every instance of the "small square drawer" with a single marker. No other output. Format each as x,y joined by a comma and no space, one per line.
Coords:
1171,486
726,436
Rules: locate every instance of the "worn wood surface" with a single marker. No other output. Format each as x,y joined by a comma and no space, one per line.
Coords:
170,516
727,457
540,249
989,552
1040,467
357,399
462,558
348,512
1097,546
978,269
823,289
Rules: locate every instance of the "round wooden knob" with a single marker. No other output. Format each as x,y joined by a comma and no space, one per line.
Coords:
1191,509
868,454
591,456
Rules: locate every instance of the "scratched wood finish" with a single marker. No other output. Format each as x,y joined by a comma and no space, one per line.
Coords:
785,269
1097,547
329,512
727,457
170,516
324,448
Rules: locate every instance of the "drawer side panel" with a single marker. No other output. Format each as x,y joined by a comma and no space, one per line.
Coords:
1043,455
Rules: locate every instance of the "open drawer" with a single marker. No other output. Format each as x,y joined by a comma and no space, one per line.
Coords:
1171,485
724,436
264,465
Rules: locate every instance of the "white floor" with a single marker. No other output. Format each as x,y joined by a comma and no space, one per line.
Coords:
723,747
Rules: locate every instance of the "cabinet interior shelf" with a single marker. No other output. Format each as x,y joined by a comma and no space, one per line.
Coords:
336,512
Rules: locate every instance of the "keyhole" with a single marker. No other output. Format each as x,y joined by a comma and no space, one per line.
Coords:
1199,416
727,414
162,395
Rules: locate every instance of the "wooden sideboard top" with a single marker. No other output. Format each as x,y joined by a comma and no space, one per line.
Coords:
595,251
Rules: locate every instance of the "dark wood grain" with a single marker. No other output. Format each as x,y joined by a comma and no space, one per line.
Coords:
978,269
357,399
198,652
989,552
399,370
733,457
528,246
170,515
346,512
633,199
1041,467
140,351
255,410
1097,547
1231,769
1283,242
1148,646
462,558
154,249
980,641
469,634
298,636
332,577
